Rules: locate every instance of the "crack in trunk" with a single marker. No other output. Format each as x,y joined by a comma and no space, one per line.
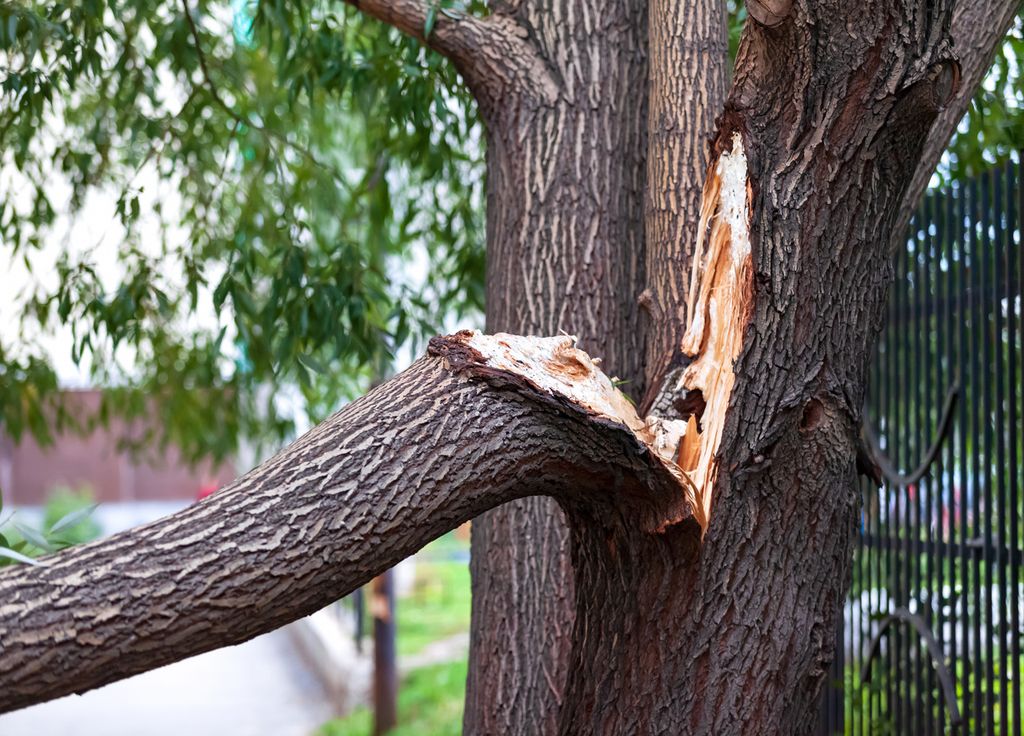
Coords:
719,309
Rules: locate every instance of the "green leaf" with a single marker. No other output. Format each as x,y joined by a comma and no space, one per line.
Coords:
429,21
312,363
18,557
72,518
34,537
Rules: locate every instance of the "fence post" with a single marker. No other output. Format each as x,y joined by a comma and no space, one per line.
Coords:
385,670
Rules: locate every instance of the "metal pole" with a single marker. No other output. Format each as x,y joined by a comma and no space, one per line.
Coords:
385,670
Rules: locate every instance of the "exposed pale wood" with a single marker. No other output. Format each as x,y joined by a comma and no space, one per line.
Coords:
719,309
687,85
832,105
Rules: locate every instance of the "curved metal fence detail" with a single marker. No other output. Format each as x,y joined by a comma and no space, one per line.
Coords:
932,631
902,615
890,474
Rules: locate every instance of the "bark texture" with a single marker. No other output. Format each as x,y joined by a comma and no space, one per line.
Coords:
831,112
688,82
441,443
978,28
565,183
832,104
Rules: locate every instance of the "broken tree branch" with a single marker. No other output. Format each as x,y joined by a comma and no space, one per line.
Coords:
478,422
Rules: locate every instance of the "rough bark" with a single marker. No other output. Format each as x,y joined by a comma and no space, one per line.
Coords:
565,182
831,104
814,156
977,30
493,54
439,444
688,82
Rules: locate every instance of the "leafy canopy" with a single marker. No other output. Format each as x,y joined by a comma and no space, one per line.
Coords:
297,196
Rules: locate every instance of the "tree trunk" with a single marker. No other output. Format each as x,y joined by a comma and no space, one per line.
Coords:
710,553
816,148
565,253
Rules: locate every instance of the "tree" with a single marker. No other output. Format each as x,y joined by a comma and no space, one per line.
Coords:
677,567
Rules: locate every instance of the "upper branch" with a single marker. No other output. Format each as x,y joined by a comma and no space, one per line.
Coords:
493,54
977,30
458,433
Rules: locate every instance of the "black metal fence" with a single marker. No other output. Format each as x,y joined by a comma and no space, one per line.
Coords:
931,642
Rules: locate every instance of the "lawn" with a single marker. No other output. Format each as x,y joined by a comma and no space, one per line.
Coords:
439,604
429,704
430,698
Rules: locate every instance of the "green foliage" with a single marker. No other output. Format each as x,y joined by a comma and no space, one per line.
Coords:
296,196
993,128
66,521
430,702
276,168
68,513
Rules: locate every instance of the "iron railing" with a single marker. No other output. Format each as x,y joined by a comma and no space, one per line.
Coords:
931,642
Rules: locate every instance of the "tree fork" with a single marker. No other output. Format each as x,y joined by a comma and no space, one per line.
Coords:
459,432
736,640
831,124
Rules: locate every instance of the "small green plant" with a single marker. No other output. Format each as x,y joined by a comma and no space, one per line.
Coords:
67,520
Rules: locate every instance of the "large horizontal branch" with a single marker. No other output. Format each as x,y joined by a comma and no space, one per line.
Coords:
493,54
478,422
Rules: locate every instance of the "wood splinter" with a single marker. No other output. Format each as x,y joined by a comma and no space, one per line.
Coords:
718,312
555,366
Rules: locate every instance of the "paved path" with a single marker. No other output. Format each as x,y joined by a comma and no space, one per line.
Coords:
455,646
259,688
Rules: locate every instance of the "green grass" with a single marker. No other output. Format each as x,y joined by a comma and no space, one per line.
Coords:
429,704
439,604
430,699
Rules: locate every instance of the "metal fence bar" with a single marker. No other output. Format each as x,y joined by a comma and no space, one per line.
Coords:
1015,380
932,642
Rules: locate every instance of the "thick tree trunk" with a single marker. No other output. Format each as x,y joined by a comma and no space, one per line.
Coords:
565,183
817,146
456,434
566,251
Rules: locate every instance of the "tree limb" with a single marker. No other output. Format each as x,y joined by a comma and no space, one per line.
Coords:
977,30
454,435
493,54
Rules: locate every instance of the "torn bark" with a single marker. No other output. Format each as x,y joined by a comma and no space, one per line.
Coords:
456,434
719,309
827,115
687,86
